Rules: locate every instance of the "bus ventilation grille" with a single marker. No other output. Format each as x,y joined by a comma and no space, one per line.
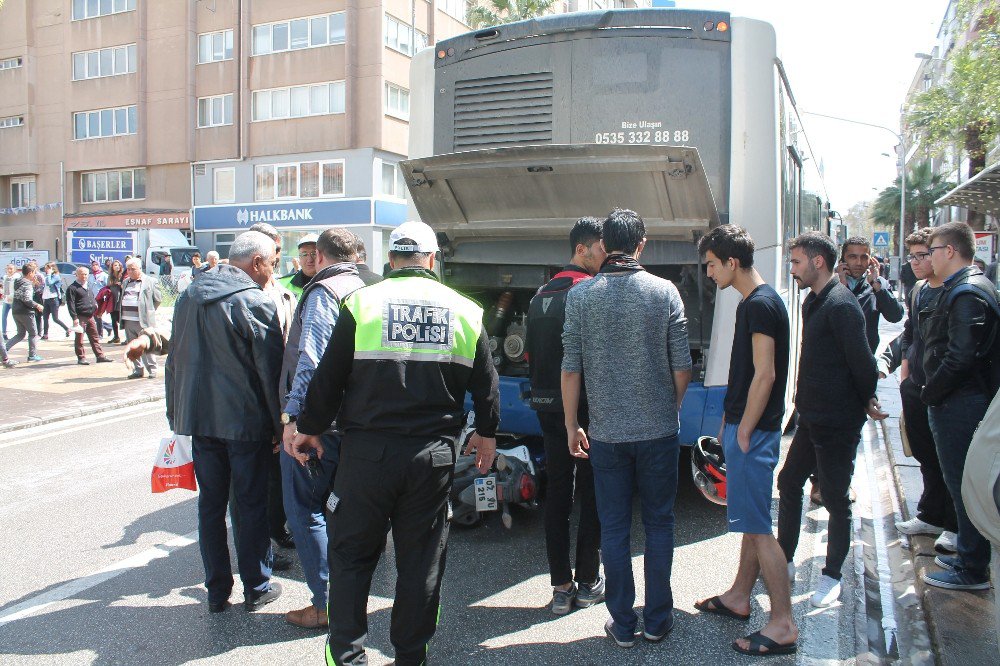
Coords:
500,111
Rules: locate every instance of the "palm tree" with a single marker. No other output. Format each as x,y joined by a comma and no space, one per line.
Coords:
495,12
923,188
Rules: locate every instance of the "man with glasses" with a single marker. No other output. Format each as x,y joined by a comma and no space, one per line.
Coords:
960,360
936,509
296,282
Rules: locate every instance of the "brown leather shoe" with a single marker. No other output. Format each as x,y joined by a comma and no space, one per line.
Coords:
309,617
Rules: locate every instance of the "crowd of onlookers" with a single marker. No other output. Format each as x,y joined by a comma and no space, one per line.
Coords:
107,304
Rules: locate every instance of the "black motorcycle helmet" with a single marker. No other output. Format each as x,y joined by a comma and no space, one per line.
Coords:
708,467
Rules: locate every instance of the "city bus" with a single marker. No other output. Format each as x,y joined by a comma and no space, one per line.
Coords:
686,117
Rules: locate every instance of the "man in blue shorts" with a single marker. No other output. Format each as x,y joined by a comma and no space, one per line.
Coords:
751,438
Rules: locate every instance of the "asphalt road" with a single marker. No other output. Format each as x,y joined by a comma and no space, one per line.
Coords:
97,570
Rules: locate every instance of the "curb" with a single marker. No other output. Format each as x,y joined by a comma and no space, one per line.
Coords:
77,413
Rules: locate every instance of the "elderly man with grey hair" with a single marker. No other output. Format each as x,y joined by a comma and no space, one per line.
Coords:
140,298
222,389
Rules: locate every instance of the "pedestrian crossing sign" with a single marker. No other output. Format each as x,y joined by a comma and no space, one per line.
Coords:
881,239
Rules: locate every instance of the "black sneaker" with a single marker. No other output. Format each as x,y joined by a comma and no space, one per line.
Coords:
589,595
621,640
218,606
255,600
281,563
104,359
562,600
660,635
957,580
949,562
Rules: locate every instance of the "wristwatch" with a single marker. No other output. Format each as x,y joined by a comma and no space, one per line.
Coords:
287,418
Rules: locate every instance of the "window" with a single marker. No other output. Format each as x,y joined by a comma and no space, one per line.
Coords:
24,244
300,33
397,36
454,8
112,61
215,46
299,101
302,180
397,101
118,185
22,193
85,9
392,181
225,185
11,121
6,246
215,111
11,63
104,122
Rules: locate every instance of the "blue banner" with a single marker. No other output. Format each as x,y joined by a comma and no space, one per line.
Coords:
88,246
283,215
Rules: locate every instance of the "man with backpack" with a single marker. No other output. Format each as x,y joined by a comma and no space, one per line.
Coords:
546,316
959,333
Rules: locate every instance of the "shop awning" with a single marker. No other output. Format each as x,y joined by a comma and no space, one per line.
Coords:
981,193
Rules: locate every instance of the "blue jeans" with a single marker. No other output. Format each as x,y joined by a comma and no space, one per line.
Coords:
216,461
618,468
953,423
3,317
305,498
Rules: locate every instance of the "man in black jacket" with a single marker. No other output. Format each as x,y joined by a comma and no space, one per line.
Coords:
835,361
222,390
368,276
82,306
546,316
959,331
860,272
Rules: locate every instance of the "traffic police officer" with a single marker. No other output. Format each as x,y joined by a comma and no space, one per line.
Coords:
404,352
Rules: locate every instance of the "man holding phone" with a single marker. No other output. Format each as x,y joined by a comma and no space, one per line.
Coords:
859,271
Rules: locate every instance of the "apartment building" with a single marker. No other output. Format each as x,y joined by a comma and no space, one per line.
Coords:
301,114
117,115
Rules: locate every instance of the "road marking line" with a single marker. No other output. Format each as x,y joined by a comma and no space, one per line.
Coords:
74,587
881,550
48,430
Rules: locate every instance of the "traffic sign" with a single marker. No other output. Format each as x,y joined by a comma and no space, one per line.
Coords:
881,239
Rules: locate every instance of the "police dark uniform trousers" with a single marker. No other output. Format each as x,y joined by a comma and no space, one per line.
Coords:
403,354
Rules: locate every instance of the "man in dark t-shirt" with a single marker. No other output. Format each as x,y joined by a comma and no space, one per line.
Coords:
751,438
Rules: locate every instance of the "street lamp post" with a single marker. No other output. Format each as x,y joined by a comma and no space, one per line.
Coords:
902,170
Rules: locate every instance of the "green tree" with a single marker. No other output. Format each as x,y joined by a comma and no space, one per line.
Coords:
495,12
923,188
964,107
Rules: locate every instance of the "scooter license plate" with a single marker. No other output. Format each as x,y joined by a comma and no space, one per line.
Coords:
486,494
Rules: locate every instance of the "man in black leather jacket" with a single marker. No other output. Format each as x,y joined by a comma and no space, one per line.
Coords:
959,333
222,390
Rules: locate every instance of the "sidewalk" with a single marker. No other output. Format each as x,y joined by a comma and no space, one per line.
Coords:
57,388
961,623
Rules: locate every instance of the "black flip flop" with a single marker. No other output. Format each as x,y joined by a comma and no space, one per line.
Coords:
759,640
715,605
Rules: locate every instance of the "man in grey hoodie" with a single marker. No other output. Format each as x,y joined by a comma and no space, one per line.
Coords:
634,391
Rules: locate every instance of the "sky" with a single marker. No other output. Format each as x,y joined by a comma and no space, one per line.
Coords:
852,59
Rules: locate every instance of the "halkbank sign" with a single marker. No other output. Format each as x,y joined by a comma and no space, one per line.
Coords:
308,213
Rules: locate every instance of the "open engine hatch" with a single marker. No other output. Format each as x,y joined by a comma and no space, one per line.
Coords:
540,191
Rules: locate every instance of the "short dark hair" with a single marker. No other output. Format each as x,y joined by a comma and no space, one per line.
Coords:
855,240
728,241
815,244
957,234
196,254
587,231
336,244
359,249
919,237
622,231
26,268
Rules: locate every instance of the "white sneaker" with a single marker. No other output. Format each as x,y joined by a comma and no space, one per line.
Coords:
916,526
791,572
946,543
827,592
